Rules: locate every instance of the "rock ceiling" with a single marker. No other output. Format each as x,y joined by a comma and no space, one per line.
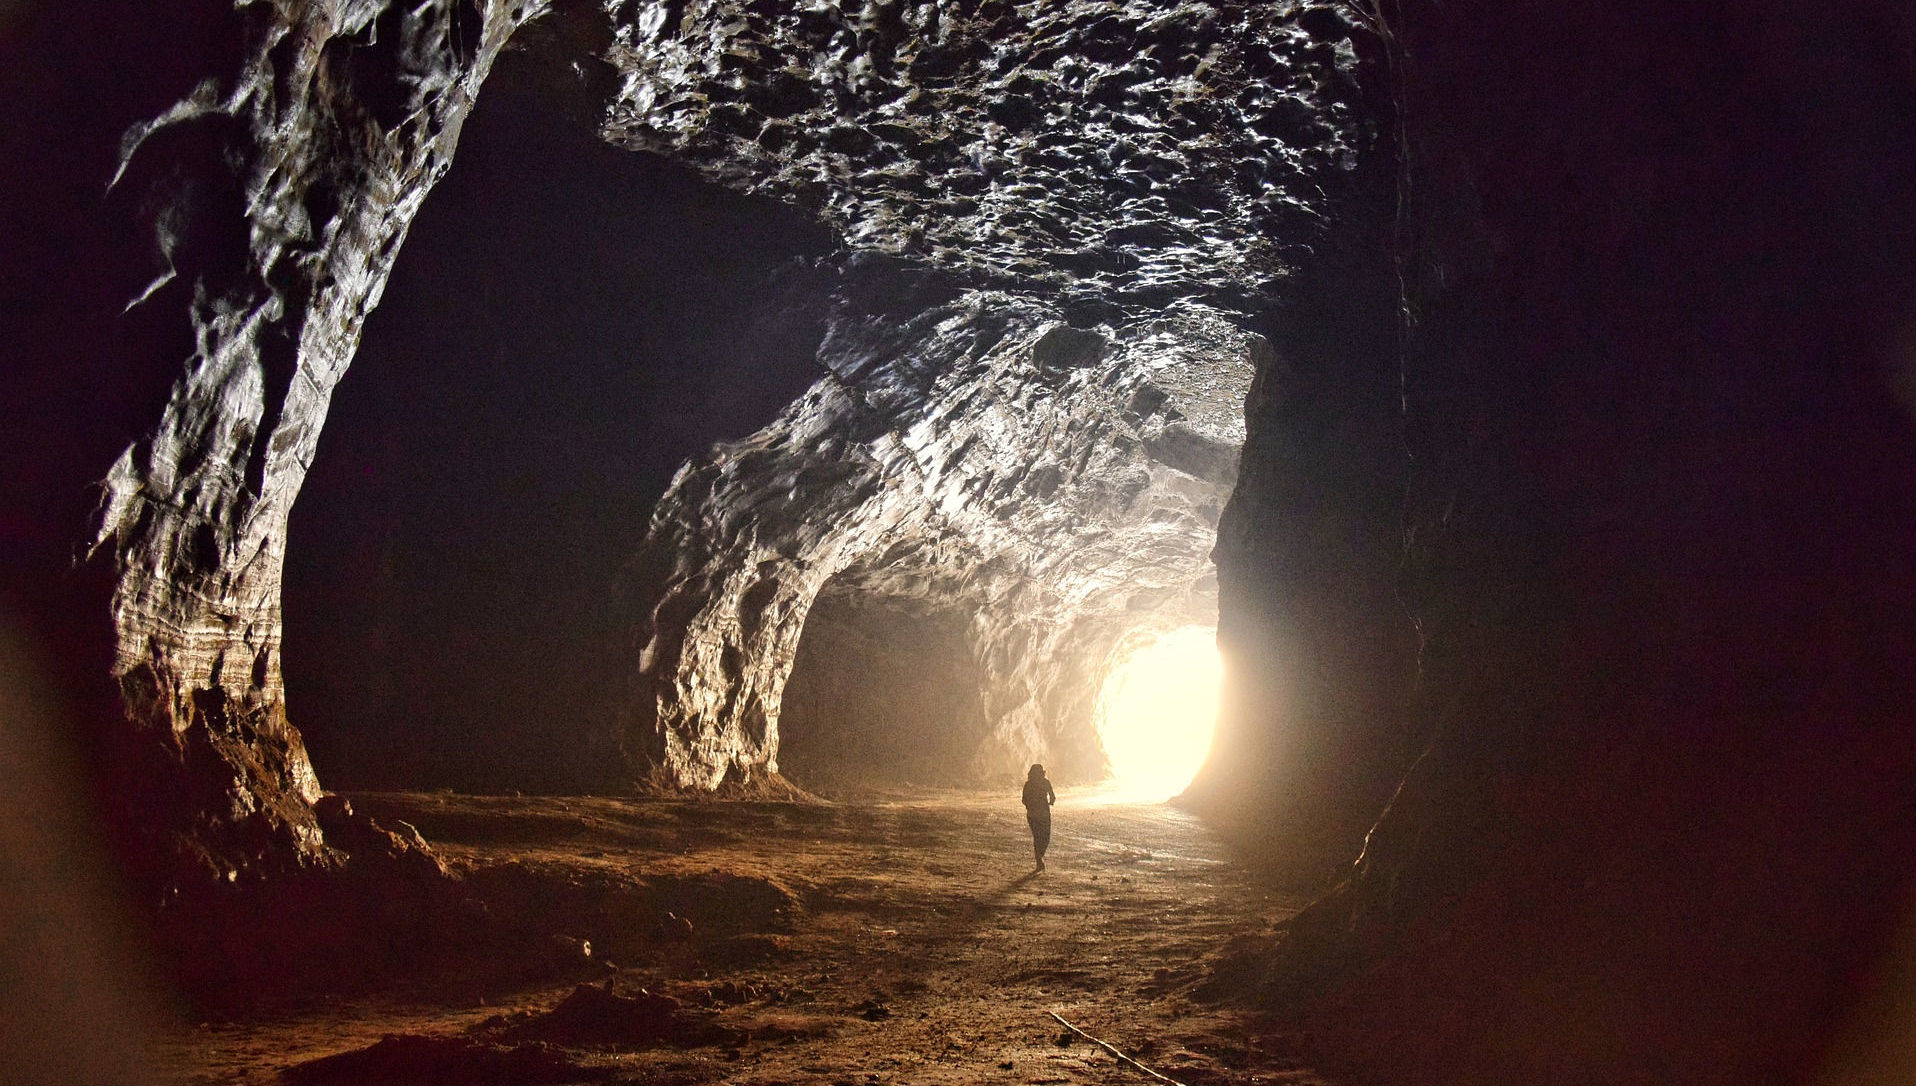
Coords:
1129,153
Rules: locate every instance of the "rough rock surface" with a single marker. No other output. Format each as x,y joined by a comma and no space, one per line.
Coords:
1114,184
281,192
1114,153
1053,487
1090,163
1657,528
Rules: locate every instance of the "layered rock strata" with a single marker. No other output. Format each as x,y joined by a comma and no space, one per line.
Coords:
1053,488
281,191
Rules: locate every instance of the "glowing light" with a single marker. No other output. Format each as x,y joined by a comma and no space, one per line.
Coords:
1157,713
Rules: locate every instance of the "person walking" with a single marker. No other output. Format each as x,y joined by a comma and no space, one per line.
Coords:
1038,799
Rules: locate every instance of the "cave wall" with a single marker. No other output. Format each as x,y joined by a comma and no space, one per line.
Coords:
279,192
1659,519
567,323
1056,486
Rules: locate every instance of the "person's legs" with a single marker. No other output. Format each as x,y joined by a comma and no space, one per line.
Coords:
1040,837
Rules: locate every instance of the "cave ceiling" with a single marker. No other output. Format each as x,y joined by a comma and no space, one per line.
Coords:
1112,154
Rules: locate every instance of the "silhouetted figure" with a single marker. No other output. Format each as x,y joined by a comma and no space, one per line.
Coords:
1038,800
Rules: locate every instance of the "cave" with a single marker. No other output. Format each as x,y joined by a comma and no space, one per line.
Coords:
542,537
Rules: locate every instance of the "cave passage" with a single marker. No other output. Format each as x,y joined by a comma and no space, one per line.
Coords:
452,616
1157,713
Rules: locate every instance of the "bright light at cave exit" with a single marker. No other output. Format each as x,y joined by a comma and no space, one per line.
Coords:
1157,713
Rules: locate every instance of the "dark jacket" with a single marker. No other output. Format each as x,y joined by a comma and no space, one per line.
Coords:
1039,797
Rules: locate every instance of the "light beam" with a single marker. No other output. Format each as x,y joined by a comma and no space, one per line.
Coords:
1157,712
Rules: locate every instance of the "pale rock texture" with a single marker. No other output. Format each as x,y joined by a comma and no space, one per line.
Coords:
1054,488
282,191
1123,153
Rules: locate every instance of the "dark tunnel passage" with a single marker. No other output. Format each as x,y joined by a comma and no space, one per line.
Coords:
567,324
881,693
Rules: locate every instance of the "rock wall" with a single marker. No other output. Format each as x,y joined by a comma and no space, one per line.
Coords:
1054,486
279,193
1658,519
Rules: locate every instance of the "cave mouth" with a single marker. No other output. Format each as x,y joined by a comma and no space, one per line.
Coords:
1157,713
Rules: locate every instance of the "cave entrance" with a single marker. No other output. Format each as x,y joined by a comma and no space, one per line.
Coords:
1157,712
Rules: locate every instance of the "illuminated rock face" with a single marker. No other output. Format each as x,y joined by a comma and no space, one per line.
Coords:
283,189
1044,488
989,462
1125,153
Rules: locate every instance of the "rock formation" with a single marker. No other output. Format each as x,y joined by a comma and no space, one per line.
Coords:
1091,164
281,191
1107,188
1655,542
1110,154
1052,488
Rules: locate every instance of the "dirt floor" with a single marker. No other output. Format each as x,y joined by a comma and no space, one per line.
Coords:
884,941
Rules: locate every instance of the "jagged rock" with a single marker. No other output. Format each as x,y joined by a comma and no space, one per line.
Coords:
282,190
1056,487
370,844
1100,160
1119,154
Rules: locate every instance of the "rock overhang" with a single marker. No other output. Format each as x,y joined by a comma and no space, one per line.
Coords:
1117,156
1051,489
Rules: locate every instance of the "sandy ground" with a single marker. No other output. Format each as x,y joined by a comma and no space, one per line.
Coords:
894,940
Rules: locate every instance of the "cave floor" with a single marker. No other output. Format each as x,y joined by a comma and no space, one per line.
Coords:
898,939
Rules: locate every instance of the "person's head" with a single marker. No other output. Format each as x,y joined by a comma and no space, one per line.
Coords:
1036,774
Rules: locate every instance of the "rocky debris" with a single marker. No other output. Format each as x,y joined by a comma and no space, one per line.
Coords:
727,903
873,1010
596,1016
981,458
278,191
730,993
540,918
673,928
443,1061
368,843
743,950
1119,154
